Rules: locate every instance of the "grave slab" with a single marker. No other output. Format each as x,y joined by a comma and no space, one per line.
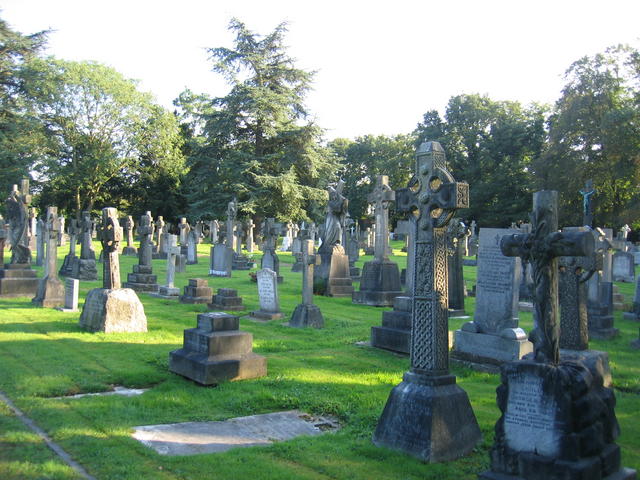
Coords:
193,438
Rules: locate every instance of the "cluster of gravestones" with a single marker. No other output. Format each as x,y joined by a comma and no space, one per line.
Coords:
556,402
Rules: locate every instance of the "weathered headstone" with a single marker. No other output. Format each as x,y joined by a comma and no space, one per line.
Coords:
50,289
380,281
199,230
493,337
250,242
84,268
427,415
306,313
197,291
268,296
214,230
221,260
142,279
456,233
226,299
41,241
558,419
217,351
623,268
17,278
111,308
169,290
332,276
71,290
184,229
192,248
128,229
269,258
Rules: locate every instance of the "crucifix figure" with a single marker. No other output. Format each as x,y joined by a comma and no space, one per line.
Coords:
427,415
587,206
541,248
111,236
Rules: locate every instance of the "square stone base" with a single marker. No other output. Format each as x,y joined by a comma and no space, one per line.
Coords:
213,370
484,349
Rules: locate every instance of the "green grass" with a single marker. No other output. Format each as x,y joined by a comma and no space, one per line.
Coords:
45,354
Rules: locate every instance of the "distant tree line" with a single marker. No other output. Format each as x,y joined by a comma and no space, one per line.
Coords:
87,137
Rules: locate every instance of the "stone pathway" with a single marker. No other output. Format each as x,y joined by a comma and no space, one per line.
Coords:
212,437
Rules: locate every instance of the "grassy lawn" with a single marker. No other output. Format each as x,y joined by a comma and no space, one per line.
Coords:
44,354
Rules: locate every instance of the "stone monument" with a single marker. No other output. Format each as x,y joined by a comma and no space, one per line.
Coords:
427,415
226,299
142,279
268,296
306,313
214,230
587,203
332,277
84,268
41,242
111,308
192,248
623,267
269,258
128,228
217,351
169,290
380,281
70,259
17,278
196,291
493,337
50,289
250,242
456,233
558,419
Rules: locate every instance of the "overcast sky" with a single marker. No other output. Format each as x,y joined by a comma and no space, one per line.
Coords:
380,65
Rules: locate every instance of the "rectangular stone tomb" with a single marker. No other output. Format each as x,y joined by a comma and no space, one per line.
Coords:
192,438
226,299
18,280
198,291
216,351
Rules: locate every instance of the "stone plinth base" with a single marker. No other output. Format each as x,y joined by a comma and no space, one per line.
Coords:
490,350
558,422
307,316
226,299
197,291
240,262
142,279
84,269
217,351
169,293
50,293
331,277
395,332
18,280
379,284
130,251
110,311
429,418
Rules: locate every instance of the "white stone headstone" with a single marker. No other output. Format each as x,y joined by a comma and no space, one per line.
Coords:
268,291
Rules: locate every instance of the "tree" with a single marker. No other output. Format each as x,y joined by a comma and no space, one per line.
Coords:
594,133
256,142
20,139
103,133
368,156
491,145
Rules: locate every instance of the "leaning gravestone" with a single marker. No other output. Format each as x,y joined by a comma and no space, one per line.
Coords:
623,267
268,296
427,415
50,289
306,313
493,337
217,351
111,308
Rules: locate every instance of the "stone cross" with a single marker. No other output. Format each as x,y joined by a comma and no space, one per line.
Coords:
250,227
74,230
41,242
541,248
159,231
436,196
128,226
238,234
625,231
52,231
574,273
232,210
86,247
111,236
587,203
381,197
309,259
184,231
145,230
173,250
269,235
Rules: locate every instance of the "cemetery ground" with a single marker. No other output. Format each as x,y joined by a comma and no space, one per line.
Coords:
45,354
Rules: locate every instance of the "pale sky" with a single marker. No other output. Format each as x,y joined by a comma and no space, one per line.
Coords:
380,65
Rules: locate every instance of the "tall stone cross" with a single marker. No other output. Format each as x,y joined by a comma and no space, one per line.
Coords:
232,211
427,415
145,230
173,250
239,233
309,260
381,197
249,241
574,273
111,236
53,228
159,231
184,228
86,247
128,225
541,248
